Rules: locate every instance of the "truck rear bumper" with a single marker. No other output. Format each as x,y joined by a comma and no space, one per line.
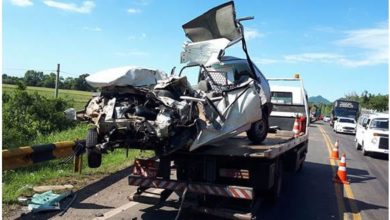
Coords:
377,150
237,192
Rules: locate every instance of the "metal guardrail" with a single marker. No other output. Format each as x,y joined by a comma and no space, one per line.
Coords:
29,155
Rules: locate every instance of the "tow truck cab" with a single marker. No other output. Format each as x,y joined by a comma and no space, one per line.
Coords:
288,102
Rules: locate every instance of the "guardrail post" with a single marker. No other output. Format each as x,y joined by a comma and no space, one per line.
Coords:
78,163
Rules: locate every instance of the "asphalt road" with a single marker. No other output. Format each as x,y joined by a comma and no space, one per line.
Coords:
308,194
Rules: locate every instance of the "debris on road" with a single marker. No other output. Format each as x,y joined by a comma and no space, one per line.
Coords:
67,206
41,189
47,201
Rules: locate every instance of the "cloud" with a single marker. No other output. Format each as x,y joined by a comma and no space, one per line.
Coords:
251,33
134,11
363,47
375,38
95,29
22,3
85,8
373,44
313,57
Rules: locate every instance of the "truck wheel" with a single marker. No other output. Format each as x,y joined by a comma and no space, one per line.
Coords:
94,156
358,146
274,193
258,131
300,166
365,152
92,138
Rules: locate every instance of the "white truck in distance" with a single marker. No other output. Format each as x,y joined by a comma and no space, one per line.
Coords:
286,100
372,134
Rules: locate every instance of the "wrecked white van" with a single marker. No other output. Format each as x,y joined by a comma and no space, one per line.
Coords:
142,108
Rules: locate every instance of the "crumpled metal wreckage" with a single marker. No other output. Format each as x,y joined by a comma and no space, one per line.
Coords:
169,115
143,108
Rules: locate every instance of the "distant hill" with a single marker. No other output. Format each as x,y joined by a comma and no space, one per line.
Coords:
318,99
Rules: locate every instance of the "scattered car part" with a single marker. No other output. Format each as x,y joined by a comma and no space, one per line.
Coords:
40,189
47,201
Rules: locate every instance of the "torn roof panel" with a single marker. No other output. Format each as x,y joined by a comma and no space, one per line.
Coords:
124,76
218,22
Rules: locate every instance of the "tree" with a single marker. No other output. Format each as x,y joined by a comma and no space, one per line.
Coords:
376,102
11,79
81,84
33,78
352,96
68,83
49,81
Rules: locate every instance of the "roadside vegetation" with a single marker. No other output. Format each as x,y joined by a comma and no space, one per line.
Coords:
31,113
20,182
39,79
76,99
32,116
376,102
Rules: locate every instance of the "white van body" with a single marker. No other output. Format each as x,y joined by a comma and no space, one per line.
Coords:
287,95
372,133
298,98
289,103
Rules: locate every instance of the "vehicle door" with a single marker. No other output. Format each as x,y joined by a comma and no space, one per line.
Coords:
359,130
365,131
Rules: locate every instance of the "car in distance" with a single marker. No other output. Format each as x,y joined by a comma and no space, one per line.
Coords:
372,134
326,118
345,125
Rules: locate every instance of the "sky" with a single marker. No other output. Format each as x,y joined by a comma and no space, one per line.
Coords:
339,47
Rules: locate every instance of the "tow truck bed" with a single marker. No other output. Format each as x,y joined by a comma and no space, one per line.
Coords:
240,146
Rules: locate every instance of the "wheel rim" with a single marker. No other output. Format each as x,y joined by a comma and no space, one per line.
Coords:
260,127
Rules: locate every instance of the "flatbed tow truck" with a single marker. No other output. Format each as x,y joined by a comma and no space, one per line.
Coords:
230,178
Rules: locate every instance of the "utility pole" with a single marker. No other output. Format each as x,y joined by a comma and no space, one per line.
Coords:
57,80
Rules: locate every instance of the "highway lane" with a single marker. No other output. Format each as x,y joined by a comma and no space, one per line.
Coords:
309,194
368,176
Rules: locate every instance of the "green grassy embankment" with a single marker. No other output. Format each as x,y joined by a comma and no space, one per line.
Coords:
77,98
19,182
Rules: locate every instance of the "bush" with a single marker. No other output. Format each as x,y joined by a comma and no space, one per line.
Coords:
25,116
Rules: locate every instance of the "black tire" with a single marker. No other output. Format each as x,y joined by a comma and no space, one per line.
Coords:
258,131
300,166
358,146
94,156
273,194
92,138
365,153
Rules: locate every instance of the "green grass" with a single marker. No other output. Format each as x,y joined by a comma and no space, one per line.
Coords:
19,182
77,98
78,132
